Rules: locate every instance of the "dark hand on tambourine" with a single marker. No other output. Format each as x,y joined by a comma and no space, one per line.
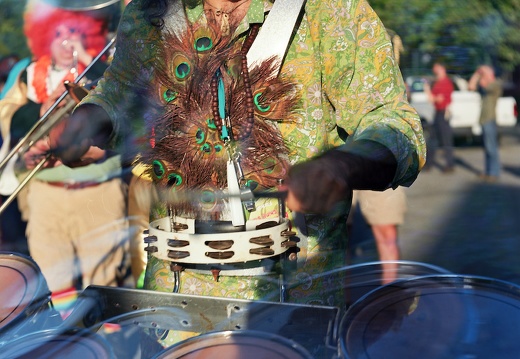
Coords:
317,185
88,126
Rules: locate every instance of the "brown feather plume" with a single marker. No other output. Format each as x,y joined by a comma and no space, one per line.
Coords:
188,152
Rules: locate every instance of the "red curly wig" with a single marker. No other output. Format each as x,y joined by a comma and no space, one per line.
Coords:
41,21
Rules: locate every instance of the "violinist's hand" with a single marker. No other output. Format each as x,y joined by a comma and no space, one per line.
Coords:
37,152
72,139
41,148
84,153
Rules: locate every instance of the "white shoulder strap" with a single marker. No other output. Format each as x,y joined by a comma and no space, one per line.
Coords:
176,20
275,34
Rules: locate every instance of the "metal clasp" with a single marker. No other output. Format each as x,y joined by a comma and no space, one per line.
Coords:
245,193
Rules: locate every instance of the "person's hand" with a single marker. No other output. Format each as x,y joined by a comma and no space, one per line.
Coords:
70,140
315,186
75,44
439,98
66,143
42,147
474,80
37,152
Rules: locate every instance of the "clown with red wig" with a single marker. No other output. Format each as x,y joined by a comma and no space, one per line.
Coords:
76,225
63,43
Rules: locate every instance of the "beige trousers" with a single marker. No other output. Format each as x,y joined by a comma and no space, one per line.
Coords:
381,208
78,233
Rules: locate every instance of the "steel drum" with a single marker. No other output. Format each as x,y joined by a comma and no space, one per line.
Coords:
236,344
159,319
58,345
25,298
434,317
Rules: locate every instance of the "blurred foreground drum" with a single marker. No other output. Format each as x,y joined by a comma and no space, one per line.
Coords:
25,305
434,317
58,345
235,345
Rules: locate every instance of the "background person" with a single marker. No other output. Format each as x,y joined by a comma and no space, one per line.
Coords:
442,135
490,88
384,212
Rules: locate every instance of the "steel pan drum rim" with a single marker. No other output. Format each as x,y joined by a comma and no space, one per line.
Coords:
435,268
408,283
42,288
452,279
51,333
19,255
254,334
41,292
438,270
23,257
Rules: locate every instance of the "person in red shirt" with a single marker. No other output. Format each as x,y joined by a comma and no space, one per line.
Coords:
442,134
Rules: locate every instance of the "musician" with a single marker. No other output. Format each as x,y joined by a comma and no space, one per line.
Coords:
334,120
76,215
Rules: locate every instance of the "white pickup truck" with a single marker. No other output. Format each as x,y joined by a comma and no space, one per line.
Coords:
465,106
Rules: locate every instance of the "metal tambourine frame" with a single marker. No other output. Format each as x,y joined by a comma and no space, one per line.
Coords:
42,128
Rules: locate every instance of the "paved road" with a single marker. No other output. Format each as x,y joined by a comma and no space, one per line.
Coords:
460,223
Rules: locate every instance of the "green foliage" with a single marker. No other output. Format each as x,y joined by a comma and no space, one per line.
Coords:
12,39
462,33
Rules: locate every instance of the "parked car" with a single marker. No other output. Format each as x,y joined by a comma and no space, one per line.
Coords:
465,106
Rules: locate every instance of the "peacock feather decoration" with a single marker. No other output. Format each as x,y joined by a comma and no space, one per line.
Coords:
191,148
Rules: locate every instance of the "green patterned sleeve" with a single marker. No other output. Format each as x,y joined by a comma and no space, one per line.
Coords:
120,91
363,83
